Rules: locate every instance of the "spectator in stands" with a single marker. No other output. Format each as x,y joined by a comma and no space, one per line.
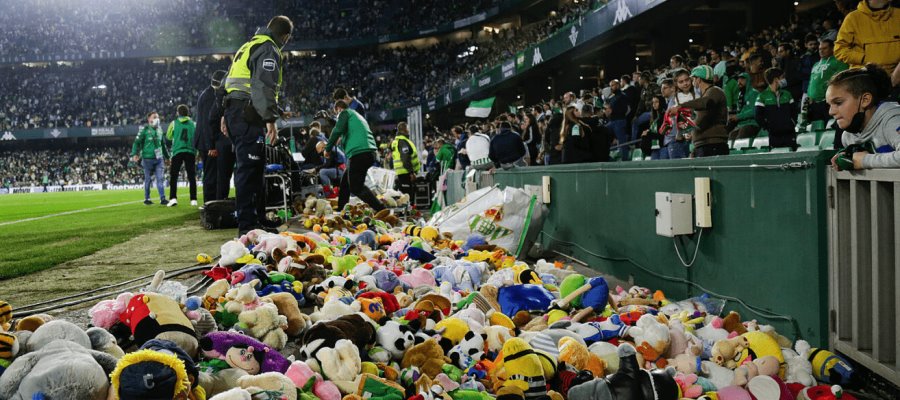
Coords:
181,134
460,136
808,59
828,28
150,149
675,145
507,149
633,94
651,139
676,62
744,121
773,111
710,138
531,136
618,123
550,145
858,103
444,154
822,71
870,35
756,69
573,138
792,74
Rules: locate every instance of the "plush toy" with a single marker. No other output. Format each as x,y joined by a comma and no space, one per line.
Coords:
243,352
231,251
718,375
469,350
372,308
265,324
387,281
287,306
60,369
333,310
304,378
269,384
453,330
106,313
151,315
607,352
395,339
495,337
688,385
153,374
685,363
824,392
798,369
250,272
629,383
325,334
418,277
388,300
652,340
827,366
577,355
732,323
733,352
516,298
763,366
427,356
340,364
102,340
523,368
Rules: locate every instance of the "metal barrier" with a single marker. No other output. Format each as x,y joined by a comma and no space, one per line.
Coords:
864,268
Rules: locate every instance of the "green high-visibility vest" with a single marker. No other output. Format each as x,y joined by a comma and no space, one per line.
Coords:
398,163
239,74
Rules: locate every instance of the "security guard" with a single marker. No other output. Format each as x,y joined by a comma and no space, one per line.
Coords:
406,161
251,108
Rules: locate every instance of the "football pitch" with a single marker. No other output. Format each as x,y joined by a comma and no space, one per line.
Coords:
42,230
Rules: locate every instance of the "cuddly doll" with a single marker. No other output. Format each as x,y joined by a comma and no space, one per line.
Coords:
305,379
60,369
418,277
340,364
827,366
102,340
629,383
372,308
243,352
513,299
427,356
718,375
265,324
395,339
250,272
763,366
798,369
577,355
326,334
333,310
231,251
287,306
523,368
607,352
149,373
151,315
388,300
734,352
453,330
106,313
470,350
652,340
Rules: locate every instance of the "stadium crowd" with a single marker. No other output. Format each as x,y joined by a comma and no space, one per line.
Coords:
88,165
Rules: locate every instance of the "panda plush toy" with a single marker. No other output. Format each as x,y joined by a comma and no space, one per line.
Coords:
395,339
470,350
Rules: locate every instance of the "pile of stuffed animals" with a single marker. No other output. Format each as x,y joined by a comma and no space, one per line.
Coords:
370,308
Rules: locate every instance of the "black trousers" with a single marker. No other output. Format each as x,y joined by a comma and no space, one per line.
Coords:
406,185
709,150
354,181
210,171
224,168
190,166
249,150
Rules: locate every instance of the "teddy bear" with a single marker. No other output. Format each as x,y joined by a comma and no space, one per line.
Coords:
798,369
576,354
287,306
264,323
325,334
59,369
427,356
652,341
333,310
102,340
311,382
269,385
340,363
242,297
733,352
469,350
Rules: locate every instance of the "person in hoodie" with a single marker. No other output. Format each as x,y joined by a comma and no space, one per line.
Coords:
507,148
181,134
870,34
858,100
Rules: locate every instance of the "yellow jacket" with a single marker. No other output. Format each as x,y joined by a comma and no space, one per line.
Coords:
868,36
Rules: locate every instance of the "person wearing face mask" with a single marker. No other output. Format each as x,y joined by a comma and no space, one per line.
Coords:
253,85
870,34
150,149
858,100
773,110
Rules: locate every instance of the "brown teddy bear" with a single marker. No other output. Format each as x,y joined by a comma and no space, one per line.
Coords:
428,356
288,307
724,351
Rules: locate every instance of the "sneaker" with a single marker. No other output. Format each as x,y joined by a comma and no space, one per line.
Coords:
147,202
172,203
193,203
163,202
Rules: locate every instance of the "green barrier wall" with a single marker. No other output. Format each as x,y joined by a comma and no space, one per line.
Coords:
767,246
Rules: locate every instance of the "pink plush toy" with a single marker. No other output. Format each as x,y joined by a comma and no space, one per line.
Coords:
300,373
106,313
734,393
270,242
418,277
688,384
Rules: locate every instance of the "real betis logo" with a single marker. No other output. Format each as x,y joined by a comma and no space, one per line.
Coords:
486,224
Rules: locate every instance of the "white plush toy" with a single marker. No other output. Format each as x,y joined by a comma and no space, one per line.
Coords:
332,310
799,369
231,251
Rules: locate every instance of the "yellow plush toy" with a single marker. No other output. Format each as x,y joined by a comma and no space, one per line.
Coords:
522,367
733,353
576,354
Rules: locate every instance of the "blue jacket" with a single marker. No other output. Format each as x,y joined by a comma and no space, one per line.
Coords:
506,148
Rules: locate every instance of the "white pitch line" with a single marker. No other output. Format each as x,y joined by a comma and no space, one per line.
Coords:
66,213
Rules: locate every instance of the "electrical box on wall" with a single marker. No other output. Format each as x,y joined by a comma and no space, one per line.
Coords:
674,214
703,202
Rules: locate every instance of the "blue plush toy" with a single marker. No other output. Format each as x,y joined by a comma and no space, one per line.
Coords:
517,298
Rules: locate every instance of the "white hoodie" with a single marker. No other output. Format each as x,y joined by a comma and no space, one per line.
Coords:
883,130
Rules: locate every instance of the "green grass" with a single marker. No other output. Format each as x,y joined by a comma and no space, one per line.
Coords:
32,246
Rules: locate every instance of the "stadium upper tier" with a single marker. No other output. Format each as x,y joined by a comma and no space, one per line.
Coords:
50,30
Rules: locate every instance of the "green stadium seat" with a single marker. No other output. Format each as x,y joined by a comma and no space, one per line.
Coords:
740,144
761,142
826,141
781,150
637,155
763,133
807,142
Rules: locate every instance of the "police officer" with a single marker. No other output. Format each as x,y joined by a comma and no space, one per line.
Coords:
251,108
406,162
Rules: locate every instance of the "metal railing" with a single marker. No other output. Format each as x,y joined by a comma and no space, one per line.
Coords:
864,268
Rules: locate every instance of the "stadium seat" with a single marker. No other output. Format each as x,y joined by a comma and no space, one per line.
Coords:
826,140
781,150
741,144
761,142
807,142
637,155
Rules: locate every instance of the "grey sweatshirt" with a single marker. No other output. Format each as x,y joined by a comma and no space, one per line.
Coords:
883,130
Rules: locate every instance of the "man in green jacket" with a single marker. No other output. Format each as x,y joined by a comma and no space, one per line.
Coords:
359,147
150,149
822,71
181,134
445,154
745,119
